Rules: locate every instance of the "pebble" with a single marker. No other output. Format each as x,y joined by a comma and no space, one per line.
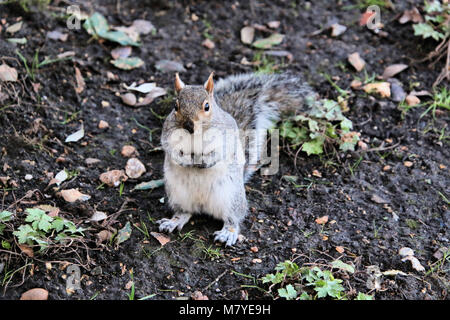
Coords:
134,168
28,177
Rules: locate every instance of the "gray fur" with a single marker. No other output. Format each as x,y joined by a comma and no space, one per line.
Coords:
216,187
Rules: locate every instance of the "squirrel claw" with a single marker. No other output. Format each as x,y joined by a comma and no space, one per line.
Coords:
226,236
178,221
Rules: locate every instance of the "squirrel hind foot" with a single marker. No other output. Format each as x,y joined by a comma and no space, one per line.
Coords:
227,235
178,221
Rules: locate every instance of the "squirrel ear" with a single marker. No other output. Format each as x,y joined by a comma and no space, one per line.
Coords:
209,84
178,83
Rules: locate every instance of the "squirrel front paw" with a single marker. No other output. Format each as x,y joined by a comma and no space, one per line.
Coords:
227,235
178,221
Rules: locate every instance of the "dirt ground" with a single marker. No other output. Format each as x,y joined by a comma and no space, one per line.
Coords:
373,210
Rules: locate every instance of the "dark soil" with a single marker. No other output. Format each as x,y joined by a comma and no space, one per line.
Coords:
281,222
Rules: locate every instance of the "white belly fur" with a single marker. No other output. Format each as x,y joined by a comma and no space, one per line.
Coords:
199,190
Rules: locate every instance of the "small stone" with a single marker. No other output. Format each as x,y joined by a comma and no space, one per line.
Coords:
356,61
128,151
91,161
254,249
412,100
256,260
387,168
113,178
134,168
28,177
105,104
408,164
208,44
129,99
356,84
103,124
35,294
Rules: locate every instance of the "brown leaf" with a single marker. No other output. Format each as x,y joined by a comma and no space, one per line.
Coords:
162,239
411,15
72,195
80,81
152,95
27,250
392,70
382,88
7,73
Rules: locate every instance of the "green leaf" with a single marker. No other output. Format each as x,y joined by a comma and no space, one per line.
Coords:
269,42
124,233
289,292
314,146
363,296
40,221
331,288
338,264
121,38
58,224
97,26
128,63
24,232
6,245
5,216
427,31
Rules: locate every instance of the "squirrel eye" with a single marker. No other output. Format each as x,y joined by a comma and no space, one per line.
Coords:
206,107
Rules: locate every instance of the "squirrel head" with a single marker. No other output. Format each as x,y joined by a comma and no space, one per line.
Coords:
194,105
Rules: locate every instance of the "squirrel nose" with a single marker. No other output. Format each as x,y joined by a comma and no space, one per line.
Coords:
189,126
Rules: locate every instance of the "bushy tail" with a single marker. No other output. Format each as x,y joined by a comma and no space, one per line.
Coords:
258,101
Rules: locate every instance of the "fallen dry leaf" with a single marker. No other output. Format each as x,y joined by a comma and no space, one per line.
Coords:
392,70
356,61
8,73
80,81
412,15
105,235
27,250
337,29
72,195
382,88
162,239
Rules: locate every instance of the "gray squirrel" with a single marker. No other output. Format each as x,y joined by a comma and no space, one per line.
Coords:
198,177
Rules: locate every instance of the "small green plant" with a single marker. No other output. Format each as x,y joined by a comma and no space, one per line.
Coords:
264,64
4,217
35,64
307,283
437,27
324,124
45,230
28,4
440,100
